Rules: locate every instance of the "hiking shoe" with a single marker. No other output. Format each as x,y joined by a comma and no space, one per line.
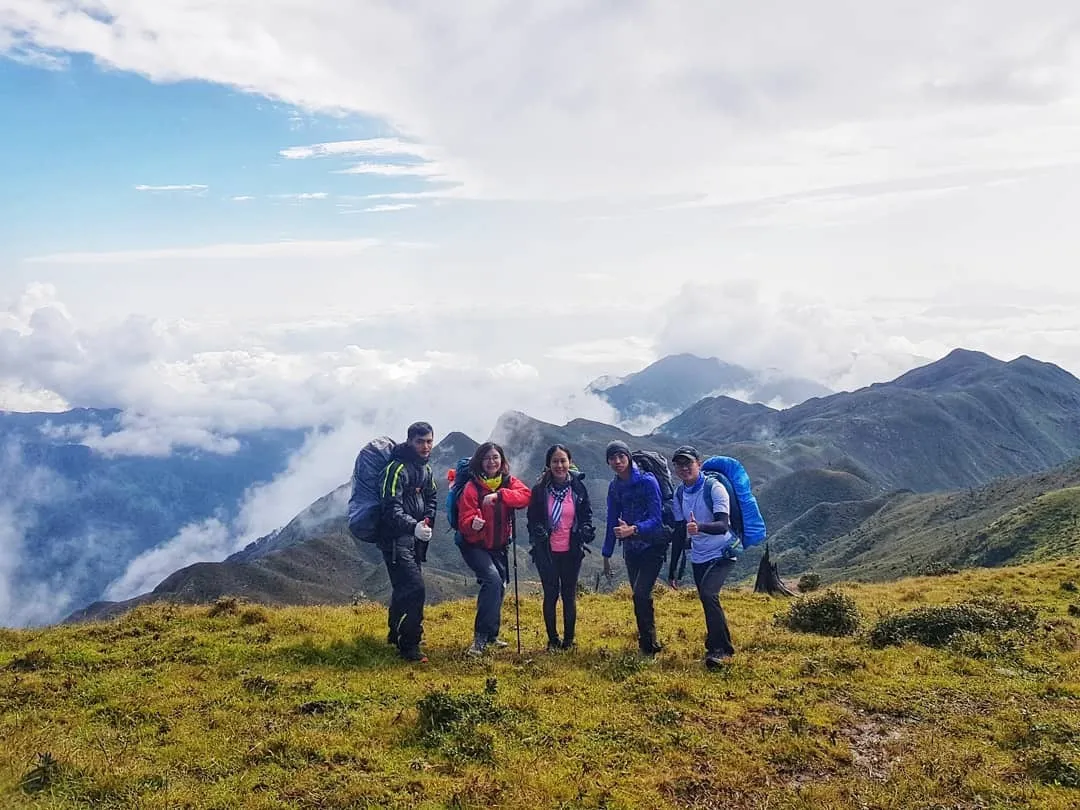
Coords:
554,645
716,660
649,650
568,644
414,655
477,648
499,643
391,638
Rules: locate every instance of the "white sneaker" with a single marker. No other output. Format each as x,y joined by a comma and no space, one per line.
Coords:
498,642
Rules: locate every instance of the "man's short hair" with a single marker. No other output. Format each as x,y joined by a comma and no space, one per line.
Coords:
419,429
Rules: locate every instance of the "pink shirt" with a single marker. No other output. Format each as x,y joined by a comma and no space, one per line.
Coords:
560,535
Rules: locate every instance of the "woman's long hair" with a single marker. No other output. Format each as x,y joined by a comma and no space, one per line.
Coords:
476,463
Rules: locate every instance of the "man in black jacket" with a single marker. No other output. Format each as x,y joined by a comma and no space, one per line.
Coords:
408,513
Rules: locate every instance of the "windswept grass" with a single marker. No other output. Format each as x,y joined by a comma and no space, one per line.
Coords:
236,706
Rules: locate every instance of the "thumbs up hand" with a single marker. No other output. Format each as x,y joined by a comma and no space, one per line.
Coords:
478,523
691,525
622,531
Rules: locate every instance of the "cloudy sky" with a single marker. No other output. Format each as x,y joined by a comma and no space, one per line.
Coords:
266,211
296,212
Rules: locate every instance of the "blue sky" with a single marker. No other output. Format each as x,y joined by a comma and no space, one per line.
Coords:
79,141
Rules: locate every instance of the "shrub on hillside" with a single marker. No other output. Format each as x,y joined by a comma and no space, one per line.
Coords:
939,625
831,613
451,723
809,582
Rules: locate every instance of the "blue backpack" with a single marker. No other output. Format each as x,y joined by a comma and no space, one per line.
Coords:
453,494
365,502
745,516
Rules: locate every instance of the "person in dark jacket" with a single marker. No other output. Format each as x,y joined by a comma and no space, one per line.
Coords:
485,522
560,525
408,495
635,519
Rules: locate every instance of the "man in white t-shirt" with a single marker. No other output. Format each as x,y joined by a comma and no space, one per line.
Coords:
701,507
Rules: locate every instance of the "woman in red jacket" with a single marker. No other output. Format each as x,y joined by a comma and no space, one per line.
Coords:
485,519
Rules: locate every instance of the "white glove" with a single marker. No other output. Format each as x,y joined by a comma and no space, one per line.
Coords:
478,523
422,531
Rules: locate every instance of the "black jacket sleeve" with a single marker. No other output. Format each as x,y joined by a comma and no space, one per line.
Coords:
431,495
585,517
536,520
395,485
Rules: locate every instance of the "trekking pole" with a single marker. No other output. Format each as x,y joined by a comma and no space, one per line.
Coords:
517,603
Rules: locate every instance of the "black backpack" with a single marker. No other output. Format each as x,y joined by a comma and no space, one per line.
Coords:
652,462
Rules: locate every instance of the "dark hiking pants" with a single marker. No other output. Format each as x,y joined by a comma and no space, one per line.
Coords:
490,575
643,568
406,617
559,572
709,578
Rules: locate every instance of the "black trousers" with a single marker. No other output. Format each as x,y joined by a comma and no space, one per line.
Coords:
406,616
643,569
709,578
559,572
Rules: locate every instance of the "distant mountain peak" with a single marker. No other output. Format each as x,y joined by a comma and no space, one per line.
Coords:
677,381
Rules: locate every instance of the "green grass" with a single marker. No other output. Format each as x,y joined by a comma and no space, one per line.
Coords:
254,707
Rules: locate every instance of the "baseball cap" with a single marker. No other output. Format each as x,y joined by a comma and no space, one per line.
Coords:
686,451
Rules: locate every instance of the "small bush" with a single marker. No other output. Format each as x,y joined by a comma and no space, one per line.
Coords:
1055,768
937,570
31,661
1069,587
831,613
622,666
1074,610
452,724
224,606
253,616
937,626
42,776
259,685
809,582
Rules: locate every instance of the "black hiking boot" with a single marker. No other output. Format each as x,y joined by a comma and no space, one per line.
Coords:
568,644
651,649
414,655
391,638
554,645
715,661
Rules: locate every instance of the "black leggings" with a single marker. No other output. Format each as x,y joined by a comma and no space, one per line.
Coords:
559,575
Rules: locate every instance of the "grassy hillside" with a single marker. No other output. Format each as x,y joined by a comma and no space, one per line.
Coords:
1020,519
232,706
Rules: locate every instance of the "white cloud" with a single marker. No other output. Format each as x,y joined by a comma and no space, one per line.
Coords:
378,209
24,488
304,195
257,250
395,169
208,540
375,147
32,57
242,198
186,187
557,101
142,435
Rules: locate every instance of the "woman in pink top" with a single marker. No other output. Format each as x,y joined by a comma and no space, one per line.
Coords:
560,526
